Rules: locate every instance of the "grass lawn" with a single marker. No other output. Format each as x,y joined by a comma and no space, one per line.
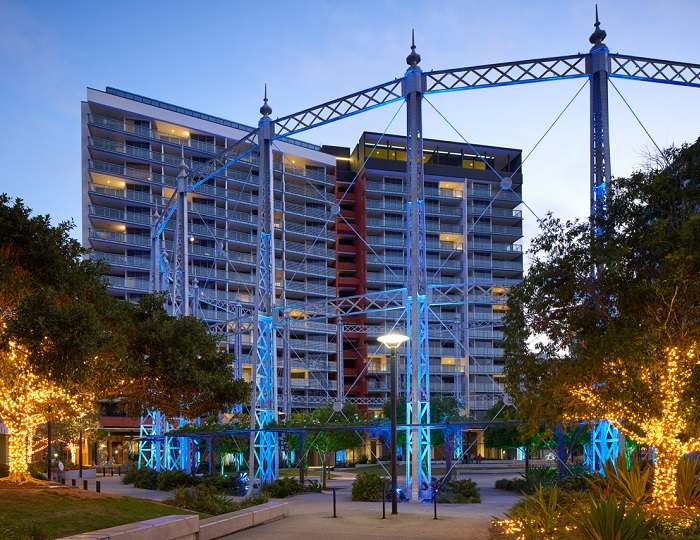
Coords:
37,512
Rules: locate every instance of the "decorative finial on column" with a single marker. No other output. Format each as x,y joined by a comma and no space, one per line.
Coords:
183,168
598,34
413,59
265,110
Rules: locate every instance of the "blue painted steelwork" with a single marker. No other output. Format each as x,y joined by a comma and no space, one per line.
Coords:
604,437
604,446
177,449
418,467
151,449
263,455
457,441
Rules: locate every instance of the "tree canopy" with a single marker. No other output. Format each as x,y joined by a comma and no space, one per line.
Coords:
64,342
608,325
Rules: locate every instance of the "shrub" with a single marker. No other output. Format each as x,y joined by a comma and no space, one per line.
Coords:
283,487
363,460
633,484
459,492
538,514
688,489
170,480
369,487
517,485
4,470
605,518
144,478
578,483
230,484
544,476
204,499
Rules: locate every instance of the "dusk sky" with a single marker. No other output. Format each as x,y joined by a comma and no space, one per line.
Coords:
215,57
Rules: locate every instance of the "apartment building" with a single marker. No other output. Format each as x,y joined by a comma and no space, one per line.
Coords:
473,227
132,149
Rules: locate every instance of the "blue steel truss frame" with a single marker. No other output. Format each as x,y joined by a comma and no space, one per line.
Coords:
597,66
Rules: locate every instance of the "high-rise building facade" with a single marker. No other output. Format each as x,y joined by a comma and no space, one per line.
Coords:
340,230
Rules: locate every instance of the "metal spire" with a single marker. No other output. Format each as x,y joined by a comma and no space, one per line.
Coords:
598,34
265,110
413,59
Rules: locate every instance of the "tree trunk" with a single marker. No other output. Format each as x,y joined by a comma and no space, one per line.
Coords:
323,470
665,469
19,450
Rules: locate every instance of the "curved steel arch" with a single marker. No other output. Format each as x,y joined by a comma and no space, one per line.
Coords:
597,65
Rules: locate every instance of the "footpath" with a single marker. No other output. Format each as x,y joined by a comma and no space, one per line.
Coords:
312,513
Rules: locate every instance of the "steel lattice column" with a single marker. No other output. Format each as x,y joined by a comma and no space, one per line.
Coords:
263,458
604,437
181,281
418,472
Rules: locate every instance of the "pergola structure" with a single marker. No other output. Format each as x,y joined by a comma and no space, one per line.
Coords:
415,298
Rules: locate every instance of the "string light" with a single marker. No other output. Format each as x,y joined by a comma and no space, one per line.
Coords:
658,424
25,402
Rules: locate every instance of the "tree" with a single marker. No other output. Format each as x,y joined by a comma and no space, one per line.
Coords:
64,341
326,443
608,325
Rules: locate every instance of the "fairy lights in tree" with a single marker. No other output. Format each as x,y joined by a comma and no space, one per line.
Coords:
662,423
25,399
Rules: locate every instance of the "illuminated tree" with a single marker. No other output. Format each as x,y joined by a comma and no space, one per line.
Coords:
64,341
608,325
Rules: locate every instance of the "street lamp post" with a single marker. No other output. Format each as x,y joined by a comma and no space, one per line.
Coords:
393,341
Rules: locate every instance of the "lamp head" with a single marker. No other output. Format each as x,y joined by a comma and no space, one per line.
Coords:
392,340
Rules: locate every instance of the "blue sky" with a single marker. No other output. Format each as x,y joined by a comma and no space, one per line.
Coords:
215,57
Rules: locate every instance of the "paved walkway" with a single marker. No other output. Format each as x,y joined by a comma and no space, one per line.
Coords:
312,513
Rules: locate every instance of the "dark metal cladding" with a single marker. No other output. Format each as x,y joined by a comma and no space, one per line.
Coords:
413,59
265,110
598,34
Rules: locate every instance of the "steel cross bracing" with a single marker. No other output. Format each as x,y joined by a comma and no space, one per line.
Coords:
263,464
509,73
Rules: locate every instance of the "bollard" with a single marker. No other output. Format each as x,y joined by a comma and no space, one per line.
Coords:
104,472
97,486
435,496
119,470
73,482
384,504
334,514
85,485
111,471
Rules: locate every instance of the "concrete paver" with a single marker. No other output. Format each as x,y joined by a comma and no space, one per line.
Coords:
312,513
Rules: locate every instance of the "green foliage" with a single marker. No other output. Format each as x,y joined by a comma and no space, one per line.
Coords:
538,514
569,330
143,478
204,499
283,488
517,485
230,484
607,519
369,487
442,409
544,476
363,459
634,484
328,442
170,480
680,526
688,489
459,492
